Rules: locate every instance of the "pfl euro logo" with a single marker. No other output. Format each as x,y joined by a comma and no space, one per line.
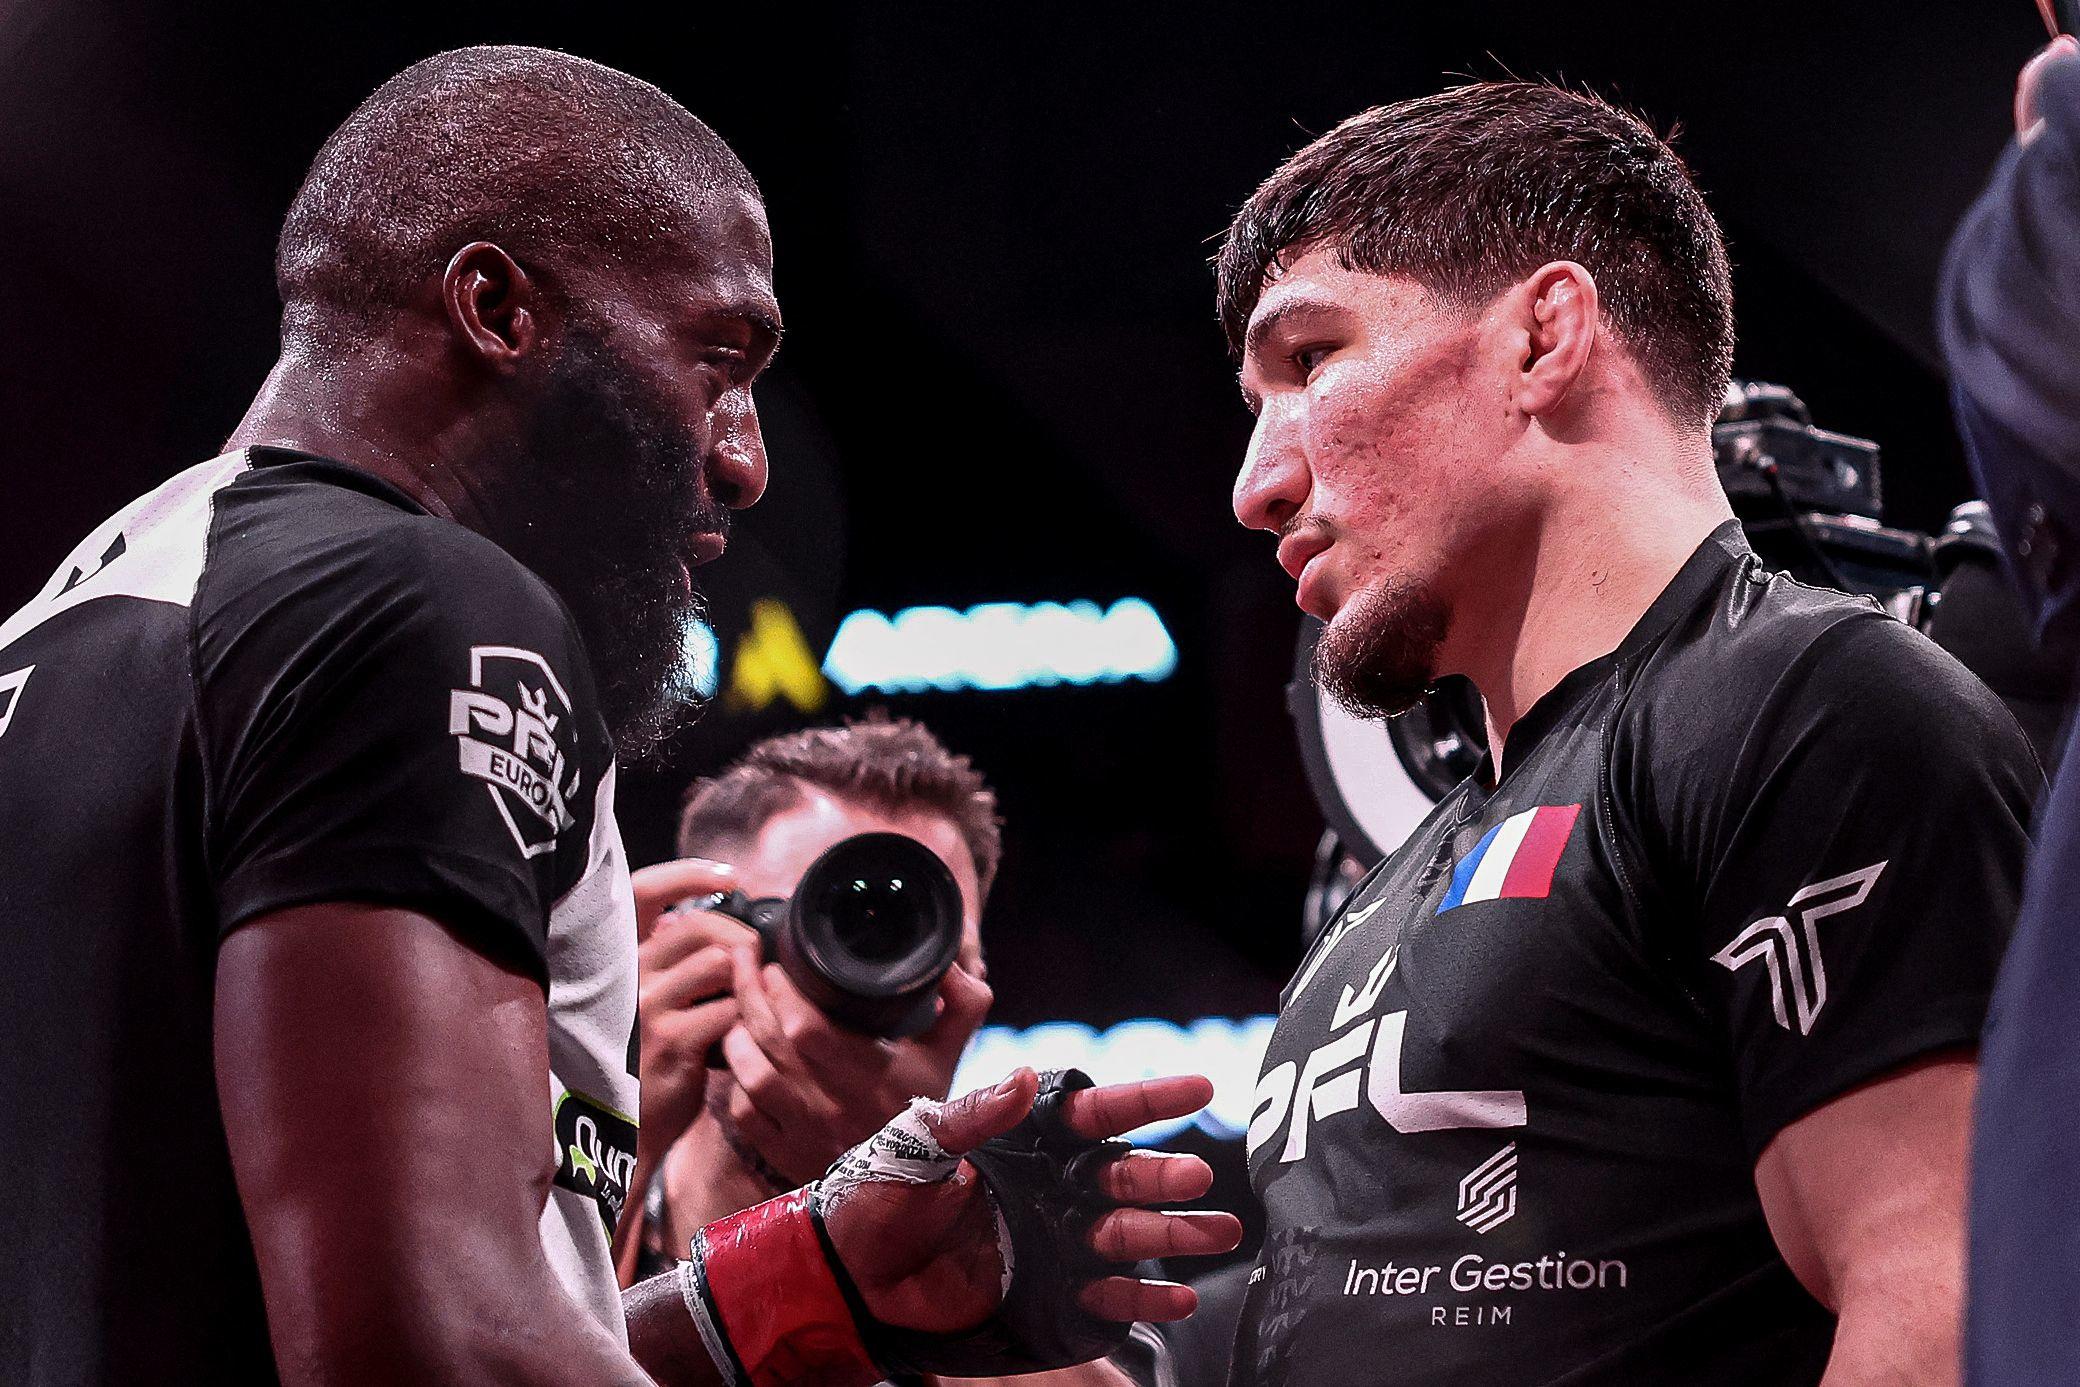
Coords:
512,726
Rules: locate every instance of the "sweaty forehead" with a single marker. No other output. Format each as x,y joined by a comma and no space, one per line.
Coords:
731,230
717,260
1319,302
1317,283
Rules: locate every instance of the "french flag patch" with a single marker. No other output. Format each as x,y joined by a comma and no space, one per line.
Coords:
1515,859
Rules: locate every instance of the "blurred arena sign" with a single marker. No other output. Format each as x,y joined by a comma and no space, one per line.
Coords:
1000,645
774,661
993,646
1227,1051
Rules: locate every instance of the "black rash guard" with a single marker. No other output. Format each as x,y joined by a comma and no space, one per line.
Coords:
273,681
1765,851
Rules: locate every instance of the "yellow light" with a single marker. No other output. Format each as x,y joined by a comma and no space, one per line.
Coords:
774,661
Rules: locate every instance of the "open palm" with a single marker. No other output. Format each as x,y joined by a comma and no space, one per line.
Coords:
925,1256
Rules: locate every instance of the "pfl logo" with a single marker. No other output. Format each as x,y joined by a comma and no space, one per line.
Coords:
513,731
1365,1059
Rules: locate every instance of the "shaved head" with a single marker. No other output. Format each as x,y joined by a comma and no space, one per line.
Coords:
542,291
563,162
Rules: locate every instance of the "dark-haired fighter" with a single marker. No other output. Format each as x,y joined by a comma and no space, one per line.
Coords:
318,940
1648,1057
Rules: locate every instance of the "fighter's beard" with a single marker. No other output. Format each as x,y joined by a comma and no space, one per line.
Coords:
1379,656
603,515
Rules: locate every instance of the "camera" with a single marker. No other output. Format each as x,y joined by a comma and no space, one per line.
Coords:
1811,501
867,935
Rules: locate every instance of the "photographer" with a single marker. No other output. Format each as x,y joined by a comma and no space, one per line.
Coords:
797,1087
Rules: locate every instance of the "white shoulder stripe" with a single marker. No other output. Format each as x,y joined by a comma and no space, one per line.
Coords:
153,548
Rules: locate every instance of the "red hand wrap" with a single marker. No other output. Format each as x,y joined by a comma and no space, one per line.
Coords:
764,1276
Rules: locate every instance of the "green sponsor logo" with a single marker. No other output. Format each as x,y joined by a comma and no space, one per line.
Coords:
595,1153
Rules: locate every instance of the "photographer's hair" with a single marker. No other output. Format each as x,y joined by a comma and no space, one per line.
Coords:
1470,190
892,764
560,161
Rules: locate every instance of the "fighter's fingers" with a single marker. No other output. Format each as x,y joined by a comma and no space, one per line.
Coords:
1133,1235
1122,1299
976,1116
1116,1108
699,976
1155,1177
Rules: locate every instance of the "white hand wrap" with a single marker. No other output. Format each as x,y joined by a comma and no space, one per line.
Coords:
905,1151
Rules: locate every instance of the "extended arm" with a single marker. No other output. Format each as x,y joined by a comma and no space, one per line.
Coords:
382,1087
1866,1198
384,1091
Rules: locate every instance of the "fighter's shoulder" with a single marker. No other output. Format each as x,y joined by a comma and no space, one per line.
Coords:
1762,622
295,544
1775,658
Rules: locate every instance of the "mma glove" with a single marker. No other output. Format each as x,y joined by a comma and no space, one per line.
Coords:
775,1305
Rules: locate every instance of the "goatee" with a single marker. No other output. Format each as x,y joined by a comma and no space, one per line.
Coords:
1379,657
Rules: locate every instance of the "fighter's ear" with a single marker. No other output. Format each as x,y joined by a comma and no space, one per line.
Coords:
492,305
1558,317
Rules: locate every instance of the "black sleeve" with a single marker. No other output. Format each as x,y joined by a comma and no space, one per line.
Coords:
1859,868
402,718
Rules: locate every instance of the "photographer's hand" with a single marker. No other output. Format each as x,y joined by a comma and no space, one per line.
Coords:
683,1007
809,1089
683,964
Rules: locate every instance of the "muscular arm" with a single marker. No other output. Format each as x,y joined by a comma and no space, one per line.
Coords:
383,1091
382,1087
1866,1199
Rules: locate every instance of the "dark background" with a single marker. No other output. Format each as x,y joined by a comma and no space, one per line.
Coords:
1002,380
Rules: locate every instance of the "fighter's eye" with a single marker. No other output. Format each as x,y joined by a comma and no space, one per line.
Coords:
732,364
1306,360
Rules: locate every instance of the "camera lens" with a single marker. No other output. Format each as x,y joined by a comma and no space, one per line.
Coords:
875,918
872,929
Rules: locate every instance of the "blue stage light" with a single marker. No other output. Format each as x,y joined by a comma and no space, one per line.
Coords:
1227,1051
1000,645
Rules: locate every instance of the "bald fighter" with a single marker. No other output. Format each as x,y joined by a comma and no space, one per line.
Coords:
318,938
